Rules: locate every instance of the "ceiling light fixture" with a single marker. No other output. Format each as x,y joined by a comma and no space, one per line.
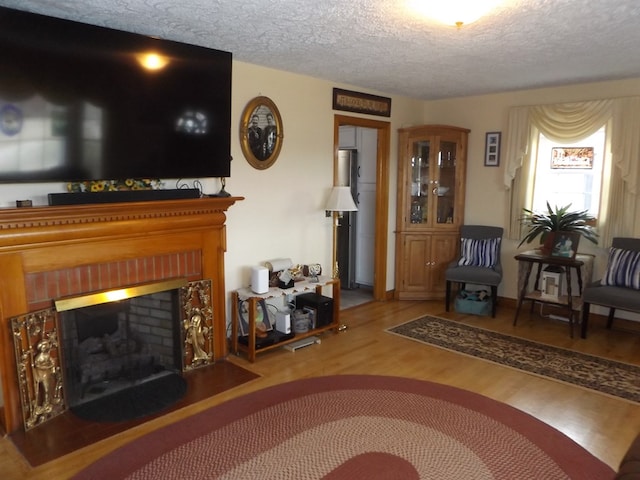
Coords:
454,12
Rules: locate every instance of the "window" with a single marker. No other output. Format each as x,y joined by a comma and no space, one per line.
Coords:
569,173
614,187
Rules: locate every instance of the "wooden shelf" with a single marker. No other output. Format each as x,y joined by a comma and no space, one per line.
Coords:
251,348
562,300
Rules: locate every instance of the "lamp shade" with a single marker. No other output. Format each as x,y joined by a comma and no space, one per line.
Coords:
341,200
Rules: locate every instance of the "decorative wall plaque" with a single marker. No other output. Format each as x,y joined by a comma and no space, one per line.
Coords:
361,102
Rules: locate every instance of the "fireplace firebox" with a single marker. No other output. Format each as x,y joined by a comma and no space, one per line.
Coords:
110,347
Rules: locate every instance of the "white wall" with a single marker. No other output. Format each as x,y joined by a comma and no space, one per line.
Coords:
282,214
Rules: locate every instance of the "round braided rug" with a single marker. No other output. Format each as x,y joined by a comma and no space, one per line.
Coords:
355,427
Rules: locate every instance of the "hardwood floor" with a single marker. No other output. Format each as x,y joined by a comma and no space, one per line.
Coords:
355,297
603,425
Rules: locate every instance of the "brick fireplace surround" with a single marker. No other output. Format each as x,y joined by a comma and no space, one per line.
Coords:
52,252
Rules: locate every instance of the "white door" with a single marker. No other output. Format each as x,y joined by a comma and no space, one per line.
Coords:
365,234
367,140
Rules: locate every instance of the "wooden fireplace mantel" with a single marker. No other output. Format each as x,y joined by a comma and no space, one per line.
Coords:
51,238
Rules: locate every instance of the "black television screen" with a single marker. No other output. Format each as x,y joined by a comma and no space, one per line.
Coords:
76,103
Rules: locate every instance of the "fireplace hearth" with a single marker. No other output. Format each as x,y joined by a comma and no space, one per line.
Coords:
139,399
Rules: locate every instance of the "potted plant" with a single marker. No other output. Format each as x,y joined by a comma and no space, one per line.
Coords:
555,221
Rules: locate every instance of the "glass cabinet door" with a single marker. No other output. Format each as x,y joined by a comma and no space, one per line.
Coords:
421,182
433,169
444,190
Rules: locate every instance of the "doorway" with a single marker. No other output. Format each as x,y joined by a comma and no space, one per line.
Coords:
380,227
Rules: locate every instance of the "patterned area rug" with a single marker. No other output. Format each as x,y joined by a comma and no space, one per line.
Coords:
349,427
595,373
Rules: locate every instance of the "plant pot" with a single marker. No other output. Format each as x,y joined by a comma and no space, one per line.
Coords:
546,247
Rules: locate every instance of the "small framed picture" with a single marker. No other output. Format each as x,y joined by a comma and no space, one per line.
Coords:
492,150
565,245
261,132
572,158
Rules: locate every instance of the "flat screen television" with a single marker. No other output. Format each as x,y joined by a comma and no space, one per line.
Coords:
77,104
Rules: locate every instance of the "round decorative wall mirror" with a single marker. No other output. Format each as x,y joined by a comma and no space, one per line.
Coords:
261,132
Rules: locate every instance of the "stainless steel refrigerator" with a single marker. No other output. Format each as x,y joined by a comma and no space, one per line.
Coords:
348,173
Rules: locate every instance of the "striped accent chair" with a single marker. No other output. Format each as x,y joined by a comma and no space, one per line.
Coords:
478,263
619,287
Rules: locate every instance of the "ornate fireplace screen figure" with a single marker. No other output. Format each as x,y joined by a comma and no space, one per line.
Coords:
38,362
197,322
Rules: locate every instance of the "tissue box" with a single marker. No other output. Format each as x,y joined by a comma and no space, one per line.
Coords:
474,303
283,285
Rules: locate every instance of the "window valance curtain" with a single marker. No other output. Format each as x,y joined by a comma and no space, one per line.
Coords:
566,123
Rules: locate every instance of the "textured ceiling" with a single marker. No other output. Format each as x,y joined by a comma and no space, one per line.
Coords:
380,45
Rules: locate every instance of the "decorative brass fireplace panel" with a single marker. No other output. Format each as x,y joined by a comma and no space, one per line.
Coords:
197,322
35,342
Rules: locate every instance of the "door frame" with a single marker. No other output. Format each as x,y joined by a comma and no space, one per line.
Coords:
382,193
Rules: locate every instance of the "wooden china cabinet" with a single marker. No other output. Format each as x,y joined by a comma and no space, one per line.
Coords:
431,187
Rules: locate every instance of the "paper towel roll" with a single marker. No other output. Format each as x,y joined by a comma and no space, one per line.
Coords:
278,264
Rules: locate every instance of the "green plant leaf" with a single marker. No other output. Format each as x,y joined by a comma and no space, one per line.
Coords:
557,219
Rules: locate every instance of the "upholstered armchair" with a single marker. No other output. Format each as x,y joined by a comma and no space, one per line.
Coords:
619,288
479,261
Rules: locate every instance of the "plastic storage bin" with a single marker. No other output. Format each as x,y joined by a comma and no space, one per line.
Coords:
474,303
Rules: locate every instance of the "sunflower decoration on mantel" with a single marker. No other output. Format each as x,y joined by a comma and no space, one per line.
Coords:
115,185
